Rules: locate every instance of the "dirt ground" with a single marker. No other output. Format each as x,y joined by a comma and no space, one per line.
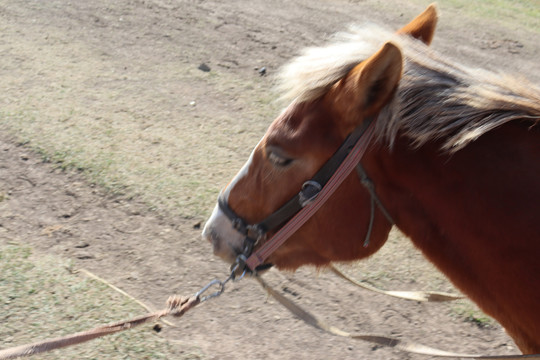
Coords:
152,254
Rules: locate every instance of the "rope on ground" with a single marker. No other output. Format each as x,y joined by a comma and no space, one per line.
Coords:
176,306
424,296
398,344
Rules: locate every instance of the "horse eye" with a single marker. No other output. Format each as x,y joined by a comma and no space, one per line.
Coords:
278,160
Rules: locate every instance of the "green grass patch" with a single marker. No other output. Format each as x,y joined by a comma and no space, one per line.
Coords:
41,298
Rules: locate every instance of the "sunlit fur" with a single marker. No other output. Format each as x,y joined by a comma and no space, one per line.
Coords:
456,165
428,81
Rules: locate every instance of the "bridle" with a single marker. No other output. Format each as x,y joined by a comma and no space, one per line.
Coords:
314,193
299,209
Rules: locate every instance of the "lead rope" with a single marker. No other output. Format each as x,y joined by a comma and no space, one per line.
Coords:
374,199
422,296
395,343
176,306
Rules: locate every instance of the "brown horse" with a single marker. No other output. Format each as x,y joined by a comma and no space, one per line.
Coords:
454,158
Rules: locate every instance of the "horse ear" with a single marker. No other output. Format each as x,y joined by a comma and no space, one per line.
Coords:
423,26
367,88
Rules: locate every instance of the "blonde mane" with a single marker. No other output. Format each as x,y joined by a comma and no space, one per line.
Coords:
435,99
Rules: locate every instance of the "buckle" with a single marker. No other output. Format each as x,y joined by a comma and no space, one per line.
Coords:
310,190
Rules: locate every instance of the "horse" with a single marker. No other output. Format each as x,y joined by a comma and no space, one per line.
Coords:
453,159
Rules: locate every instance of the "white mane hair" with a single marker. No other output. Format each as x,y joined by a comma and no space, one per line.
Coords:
435,99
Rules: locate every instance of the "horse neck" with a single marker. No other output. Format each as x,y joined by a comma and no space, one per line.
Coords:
463,200
472,213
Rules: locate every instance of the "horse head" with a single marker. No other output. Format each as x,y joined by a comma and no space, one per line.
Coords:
296,145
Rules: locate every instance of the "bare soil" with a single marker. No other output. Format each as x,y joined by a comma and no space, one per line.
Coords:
152,254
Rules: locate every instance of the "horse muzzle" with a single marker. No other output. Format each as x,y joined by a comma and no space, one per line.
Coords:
226,241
